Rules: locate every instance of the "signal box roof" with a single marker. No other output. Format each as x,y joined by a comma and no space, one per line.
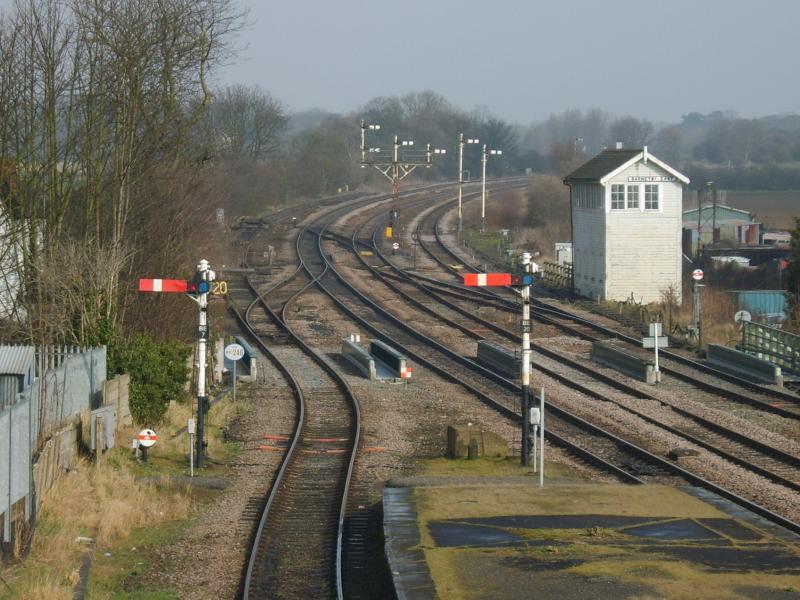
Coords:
610,162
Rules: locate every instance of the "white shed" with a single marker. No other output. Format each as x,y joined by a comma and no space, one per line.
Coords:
627,211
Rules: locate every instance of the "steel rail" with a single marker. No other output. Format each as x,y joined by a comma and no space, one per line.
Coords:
663,463
787,396
543,309
765,449
291,451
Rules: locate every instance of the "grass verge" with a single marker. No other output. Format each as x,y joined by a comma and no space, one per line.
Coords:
119,510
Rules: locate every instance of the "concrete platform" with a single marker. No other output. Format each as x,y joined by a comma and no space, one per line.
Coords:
464,538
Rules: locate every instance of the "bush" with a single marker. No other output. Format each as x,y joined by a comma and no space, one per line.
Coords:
158,372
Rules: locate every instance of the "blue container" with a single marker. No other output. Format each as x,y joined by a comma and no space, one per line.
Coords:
768,303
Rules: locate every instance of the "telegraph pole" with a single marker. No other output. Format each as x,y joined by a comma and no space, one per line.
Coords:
484,160
461,142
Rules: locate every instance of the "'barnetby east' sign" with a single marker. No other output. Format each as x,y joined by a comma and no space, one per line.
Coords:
650,178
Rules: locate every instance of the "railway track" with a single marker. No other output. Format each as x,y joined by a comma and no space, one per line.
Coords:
767,461
788,402
311,540
298,546
788,469
660,462
279,557
725,387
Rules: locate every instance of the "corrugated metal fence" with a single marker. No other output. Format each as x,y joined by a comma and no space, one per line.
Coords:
42,396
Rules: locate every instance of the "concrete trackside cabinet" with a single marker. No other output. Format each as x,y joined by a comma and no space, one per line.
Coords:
484,443
608,355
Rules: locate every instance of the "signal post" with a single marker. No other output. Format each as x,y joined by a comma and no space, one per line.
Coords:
523,282
398,164
198,289
525,292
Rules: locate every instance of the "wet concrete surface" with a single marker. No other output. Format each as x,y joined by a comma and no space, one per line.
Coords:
511,555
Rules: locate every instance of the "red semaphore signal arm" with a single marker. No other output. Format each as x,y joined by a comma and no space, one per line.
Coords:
164,285
487,279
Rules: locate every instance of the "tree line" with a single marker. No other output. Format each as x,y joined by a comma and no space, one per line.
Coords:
116,146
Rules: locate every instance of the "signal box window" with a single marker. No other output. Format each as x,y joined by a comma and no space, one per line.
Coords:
633,196
617,196
651,197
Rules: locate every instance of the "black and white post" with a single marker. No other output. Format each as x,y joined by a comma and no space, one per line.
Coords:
204,273
526,362
697,309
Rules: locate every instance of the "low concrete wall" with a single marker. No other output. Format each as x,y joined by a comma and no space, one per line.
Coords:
250,358
616,358
744,365
359,357
390,358
499,358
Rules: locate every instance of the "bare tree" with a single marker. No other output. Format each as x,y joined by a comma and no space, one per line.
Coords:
632,132
97,97
245,123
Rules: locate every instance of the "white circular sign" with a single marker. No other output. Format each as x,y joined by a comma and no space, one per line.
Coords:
742,316
697,274
147,438
396,246
234,351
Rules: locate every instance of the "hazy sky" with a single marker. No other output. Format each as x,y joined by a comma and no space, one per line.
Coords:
526,59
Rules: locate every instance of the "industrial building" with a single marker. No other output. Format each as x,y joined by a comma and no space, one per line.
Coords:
719,225
627,214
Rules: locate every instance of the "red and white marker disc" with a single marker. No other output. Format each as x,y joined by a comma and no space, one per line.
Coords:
147,438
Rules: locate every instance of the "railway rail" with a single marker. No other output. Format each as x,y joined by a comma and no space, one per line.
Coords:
729,388
785,403
298,546
786,463
663,464
766,460
279,555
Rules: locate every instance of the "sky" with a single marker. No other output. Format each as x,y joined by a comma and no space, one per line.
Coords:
526,59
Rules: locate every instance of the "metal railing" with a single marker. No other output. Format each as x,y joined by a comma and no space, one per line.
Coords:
771,344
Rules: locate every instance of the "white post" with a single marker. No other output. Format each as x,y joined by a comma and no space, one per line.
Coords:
535,454
190,429
234,380
658,373
460,176
483,188
541,439
363,141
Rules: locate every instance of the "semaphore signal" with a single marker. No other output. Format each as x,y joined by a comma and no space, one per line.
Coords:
198,289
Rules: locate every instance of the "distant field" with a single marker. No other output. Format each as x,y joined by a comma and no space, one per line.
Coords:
773,209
